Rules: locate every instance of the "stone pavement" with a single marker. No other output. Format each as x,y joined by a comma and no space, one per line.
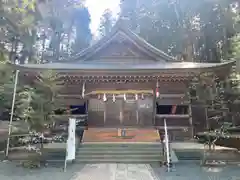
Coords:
192,171
185,171
116,172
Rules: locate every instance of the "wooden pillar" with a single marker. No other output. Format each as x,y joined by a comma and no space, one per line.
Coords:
190,115
137,113
154,107
206,116
86,106
121,112
191,120
224,105
121,117
105,112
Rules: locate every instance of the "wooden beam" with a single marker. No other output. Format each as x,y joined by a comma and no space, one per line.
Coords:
172,95
69,96
172,115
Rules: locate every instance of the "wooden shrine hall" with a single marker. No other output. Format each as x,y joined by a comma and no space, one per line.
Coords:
123,81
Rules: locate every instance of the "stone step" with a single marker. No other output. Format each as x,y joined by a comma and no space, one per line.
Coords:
55,163
119,149
119,156
188,155
119,152
60,163
128,161
120,145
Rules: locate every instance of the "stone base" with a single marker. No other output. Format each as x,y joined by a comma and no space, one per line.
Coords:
119,132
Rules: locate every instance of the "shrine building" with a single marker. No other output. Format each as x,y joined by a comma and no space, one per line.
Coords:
122,81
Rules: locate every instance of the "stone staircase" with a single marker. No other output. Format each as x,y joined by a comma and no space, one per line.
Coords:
119,153
188,155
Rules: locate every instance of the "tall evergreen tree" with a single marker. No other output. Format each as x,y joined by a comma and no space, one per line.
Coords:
106,23
196,29
82,22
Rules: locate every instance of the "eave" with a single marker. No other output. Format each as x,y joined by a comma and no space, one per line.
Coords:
187,68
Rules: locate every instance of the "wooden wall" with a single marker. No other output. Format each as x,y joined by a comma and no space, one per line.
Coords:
134,113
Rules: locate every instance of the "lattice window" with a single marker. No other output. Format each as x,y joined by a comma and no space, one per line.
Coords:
145,104
96,105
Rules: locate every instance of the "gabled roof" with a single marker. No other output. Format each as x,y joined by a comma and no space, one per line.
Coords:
121,31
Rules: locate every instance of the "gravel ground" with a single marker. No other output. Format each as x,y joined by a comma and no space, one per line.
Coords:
9,171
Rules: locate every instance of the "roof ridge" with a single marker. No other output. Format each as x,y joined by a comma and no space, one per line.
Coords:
154,48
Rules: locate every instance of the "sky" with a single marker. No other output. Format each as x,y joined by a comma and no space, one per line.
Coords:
96,9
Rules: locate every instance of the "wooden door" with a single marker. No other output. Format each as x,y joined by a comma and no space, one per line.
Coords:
95,113
130,113
112,109
145,110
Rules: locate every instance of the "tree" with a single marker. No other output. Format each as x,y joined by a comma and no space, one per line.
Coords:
37,103
235,41
197,30
65,25
106,23
42,100
18,28
81,23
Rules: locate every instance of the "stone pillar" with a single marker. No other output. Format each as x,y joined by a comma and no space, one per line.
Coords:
119,132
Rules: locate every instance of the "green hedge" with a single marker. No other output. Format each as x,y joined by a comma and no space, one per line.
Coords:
231,141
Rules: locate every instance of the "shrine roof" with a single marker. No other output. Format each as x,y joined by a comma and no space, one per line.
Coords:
121,34
122,51
86,66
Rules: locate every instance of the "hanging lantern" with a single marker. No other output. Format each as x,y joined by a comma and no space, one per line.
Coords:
157,90
124,97
114,98
136,97
157,93
104,97
142,97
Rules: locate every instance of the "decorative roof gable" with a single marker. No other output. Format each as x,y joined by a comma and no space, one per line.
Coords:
119,45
